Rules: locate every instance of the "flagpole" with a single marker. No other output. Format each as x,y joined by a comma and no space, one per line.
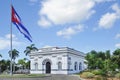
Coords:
11,40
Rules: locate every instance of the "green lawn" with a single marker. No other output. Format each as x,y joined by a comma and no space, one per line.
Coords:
21,75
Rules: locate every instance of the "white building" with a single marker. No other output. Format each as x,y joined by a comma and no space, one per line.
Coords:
56,60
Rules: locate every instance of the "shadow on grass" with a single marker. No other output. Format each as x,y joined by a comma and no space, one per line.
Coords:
22,75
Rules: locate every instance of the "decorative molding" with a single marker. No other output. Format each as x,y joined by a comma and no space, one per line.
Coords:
54,56
36,59
59,58
64,55
52,70
40,57
46,60
31,57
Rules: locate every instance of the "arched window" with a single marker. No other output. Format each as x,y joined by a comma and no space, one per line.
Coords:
75,66
36,66
69,63
59,66
80,66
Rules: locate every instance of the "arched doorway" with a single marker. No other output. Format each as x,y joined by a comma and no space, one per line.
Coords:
48,67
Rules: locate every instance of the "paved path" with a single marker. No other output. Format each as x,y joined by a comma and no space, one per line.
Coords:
48,77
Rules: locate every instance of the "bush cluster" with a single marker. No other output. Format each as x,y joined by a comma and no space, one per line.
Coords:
87,75
97,72
117,75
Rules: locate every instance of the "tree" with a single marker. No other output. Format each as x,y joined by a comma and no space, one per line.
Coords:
4,65
27,63
101,55
0,55
0,63
91,58
116,57
22,63
7,64
107,54
15,54
104,61
98,59
29,49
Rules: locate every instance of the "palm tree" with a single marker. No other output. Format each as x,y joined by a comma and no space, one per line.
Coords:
15,54
0,55
30,48
0,63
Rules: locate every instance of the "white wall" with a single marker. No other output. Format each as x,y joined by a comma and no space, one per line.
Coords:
54,63
56,55
78,59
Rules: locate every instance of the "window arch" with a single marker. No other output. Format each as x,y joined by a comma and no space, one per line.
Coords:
36,66
69,63
80,66
75,66
59,66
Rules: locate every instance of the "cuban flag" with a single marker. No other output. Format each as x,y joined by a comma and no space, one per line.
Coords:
17,21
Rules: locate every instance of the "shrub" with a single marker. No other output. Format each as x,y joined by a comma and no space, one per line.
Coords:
90,75
87,75
111,73
97,72
117,75
98,78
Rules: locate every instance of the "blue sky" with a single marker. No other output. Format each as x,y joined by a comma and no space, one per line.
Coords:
84,25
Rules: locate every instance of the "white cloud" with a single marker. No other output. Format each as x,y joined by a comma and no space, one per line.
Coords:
5,41
33,0
95,28
116,8
107,20
99,1
47,46
117,36
68,32
44,23
8,36
66,12
117,45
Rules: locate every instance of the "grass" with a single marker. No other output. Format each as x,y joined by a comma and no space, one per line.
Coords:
21,75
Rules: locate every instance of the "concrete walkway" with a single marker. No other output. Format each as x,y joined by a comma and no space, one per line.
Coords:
48,77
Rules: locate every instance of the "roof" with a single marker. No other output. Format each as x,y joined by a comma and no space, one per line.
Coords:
56,50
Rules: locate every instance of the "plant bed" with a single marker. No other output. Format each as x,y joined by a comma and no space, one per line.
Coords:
90,76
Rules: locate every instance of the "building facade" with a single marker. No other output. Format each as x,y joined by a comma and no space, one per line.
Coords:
56,60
